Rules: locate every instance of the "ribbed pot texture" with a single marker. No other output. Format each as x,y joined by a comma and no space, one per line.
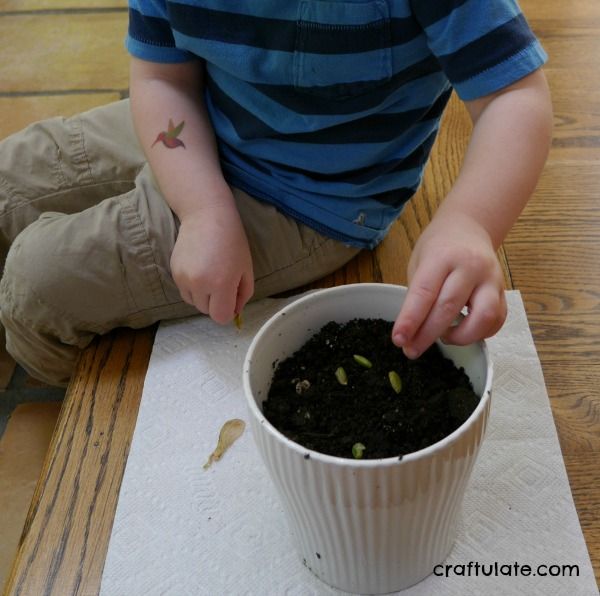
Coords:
377,529
365,526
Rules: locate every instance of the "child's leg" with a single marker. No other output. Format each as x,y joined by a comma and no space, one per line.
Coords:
65,165
285,253
70,276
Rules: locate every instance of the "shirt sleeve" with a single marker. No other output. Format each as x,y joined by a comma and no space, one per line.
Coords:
149,36
482,45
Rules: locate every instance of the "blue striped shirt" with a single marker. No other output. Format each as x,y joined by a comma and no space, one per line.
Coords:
329,109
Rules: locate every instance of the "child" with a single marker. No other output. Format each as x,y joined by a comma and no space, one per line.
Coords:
273,141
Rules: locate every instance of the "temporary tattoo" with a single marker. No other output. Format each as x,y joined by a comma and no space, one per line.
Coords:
169,138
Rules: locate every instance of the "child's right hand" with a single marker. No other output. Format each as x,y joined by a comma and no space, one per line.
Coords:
211,262
453,265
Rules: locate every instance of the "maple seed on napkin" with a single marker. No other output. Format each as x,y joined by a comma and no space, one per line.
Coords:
230,432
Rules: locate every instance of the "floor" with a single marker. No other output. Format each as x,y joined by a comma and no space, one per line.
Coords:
39,79
28,413
60,57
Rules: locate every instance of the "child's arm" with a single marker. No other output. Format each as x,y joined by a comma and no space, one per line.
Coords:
454,261
211,262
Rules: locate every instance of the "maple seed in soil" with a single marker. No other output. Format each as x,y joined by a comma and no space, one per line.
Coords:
331,417
358,450
340,375
365,362
395,381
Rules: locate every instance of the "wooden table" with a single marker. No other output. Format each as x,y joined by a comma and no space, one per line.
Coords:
65,540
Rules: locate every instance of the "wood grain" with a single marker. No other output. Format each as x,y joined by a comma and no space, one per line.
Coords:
546,10
66,535
27,109
23,447
59,5
49,64
553,250
584,477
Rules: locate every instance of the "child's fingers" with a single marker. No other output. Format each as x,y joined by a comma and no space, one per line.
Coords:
221,305
187,297
487,313
199,301
202,303
226,303
245,291
422,293
453,295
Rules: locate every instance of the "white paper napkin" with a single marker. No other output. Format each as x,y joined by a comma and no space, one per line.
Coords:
180,530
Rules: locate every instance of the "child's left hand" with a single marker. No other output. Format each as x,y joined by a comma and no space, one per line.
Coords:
453,265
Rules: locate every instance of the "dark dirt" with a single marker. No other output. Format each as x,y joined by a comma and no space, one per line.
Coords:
309,405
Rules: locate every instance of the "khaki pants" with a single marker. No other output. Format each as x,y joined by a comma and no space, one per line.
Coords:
86,239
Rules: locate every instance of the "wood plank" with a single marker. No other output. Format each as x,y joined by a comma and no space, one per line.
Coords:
64,541
570,48
566,185
23,449
572,389
559,271
71,51
567,338
553,257
36,5
584,478
552,251
576,102
25,110
576,89
581,10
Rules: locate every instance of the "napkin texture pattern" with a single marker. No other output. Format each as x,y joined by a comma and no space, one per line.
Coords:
181,530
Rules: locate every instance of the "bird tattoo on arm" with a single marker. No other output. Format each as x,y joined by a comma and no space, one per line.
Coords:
169,137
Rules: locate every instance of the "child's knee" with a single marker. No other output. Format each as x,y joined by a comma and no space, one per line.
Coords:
38,334
31,291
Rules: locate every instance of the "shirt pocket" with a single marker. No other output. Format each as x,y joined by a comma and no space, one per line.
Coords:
342,49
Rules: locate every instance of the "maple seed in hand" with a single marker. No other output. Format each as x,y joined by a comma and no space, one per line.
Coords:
169,137
238,321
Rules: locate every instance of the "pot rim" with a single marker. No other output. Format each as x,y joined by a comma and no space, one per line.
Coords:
343,461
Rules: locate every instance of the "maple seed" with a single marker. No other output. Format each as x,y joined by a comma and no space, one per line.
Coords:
357,450
238,320
362,361
395,381
340,375
169,137
302,386
230,432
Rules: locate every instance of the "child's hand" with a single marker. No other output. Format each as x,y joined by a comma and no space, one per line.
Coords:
211,263
453,264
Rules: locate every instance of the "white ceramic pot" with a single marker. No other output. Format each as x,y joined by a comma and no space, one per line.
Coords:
364,526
